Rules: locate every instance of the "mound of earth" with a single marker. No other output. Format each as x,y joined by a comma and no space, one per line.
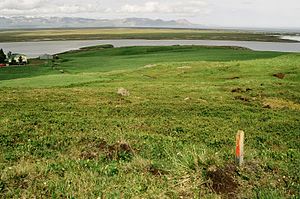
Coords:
222,180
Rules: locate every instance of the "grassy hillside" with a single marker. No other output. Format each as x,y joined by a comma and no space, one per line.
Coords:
66,133
133,33
92,59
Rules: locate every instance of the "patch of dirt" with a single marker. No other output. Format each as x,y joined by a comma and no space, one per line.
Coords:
222,180
240,90
88,155
93,148
279,75
242,98
117,151
272,103
237,90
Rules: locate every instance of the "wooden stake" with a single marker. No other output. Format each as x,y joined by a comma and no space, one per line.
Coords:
239,149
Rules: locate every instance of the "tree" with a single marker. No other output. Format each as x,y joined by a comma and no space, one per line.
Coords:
20,60
9,54
2,56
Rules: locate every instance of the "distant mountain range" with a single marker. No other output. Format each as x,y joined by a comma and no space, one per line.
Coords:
70,22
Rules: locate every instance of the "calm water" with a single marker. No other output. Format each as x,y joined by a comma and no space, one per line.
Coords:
34,49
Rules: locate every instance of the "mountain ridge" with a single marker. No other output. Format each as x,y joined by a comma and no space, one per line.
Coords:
20,22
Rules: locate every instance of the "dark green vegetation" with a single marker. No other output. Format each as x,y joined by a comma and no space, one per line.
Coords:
128,33
66,133
2,56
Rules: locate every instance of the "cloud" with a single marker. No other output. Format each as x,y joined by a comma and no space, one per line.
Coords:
44,7
247,2
147,7
21,4
225,12
76,7
186,7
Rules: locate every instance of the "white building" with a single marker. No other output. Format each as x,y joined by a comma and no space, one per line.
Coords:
18,59
46,57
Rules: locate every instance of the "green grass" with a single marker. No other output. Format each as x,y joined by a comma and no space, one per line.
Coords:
133,33
69,135
91,60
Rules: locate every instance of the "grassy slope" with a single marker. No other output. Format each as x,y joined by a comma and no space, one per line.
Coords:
180,122
122,59
127,33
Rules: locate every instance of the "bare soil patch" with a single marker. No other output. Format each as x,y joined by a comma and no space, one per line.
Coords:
240,90
223,180
279,75
118,151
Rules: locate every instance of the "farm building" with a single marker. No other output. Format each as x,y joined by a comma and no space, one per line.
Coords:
46,57
17,59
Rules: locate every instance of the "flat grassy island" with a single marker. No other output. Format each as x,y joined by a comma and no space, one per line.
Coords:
135,33
65,132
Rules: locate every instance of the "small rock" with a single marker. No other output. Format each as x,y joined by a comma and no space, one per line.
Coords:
123,92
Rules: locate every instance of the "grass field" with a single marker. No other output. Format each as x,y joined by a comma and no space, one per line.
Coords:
66,133
131,33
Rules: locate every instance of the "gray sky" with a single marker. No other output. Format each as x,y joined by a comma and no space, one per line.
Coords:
230,13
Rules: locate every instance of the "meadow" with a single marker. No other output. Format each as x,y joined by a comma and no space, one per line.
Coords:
134,33
66,133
